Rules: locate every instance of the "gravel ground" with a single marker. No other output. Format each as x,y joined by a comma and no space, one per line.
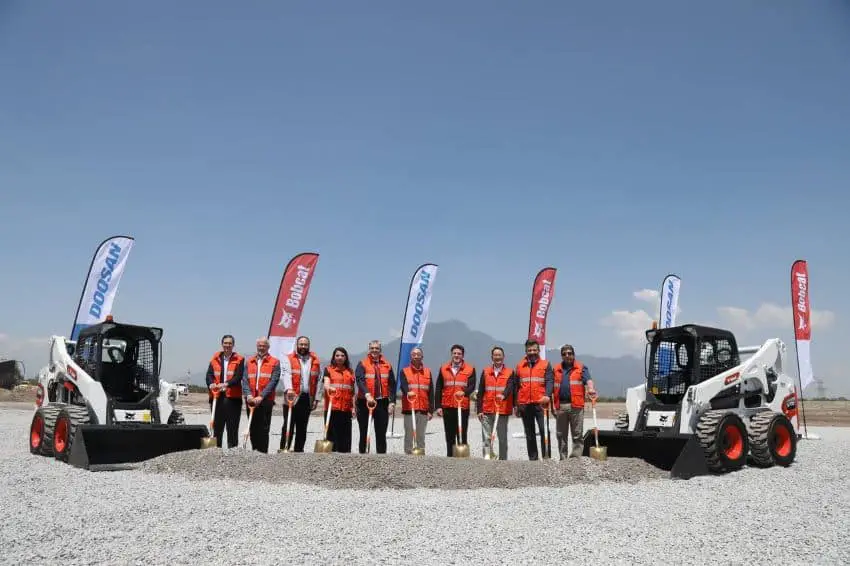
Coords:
614,512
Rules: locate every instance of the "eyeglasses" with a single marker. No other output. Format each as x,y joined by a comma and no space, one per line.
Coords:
567,353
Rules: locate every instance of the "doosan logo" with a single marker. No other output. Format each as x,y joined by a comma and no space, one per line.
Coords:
668,316
419,307
296,292
103,281
543,301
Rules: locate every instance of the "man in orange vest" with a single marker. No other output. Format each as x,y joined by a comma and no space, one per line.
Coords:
224,380
576,384
536,380
496,390
305,370
259,382
375,382
416,382
455,377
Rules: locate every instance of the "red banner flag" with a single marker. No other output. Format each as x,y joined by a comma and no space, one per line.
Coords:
289,306
801,308
542,294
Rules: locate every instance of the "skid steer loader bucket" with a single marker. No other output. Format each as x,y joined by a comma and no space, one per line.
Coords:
680,454
114,446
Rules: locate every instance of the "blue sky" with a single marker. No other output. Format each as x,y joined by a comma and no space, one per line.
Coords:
618,143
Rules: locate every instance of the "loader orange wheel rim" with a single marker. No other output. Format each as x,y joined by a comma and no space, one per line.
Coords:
36,431
734,442
60,438
783,441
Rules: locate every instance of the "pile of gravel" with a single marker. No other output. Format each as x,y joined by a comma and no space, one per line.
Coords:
370,471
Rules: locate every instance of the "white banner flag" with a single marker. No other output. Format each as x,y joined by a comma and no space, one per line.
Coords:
101,286
669,301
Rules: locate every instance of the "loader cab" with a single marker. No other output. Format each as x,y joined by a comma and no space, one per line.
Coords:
687,355
124,358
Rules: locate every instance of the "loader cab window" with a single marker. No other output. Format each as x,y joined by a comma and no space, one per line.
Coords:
717,354
671,369
85,355
127,368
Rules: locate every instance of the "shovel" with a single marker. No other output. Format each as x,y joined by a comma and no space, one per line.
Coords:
248,430
597,452
547,436
210,441
460,450
492,455
290,400
325,446
371,406
416,451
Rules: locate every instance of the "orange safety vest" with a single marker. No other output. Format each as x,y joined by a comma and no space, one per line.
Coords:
259,377
577,389
532,381
452,383
419,382
556,391
383,369
495,385
234,391
343,380
298,376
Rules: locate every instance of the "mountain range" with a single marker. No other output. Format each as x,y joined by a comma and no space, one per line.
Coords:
610,375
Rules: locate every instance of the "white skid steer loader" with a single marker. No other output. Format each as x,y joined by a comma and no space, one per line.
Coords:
702,410
100,402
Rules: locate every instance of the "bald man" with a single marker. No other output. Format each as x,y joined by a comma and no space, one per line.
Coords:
259,382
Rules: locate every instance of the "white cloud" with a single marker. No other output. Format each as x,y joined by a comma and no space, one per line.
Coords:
3,337
771,315
648,295
630,326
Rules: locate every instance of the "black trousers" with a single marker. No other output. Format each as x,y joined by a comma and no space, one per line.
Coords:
380,421
300,418
260,425
227,412
339,430
530,414
450,426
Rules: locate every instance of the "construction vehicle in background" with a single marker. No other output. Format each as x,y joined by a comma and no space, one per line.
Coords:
701,410
100,402
12,373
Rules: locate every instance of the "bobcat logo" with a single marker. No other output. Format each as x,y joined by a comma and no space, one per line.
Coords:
286,319
663,418
129,416
538,330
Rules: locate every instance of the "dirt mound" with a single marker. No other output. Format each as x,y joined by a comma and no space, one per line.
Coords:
355,471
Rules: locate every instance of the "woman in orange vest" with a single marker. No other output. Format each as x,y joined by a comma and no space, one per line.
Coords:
339,387
416,383
496,390
455,376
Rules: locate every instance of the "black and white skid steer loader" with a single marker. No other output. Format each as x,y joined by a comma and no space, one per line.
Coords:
701,410
100,402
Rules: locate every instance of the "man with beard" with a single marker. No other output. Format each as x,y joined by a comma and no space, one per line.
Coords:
536,380
375,385
304,385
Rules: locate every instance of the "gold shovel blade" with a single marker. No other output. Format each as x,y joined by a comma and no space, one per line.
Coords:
599,452
323,446
460,450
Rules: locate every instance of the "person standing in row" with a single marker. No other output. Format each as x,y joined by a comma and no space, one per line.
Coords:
535,383
339,390
305,370
375,382
259,382
575,385
224,381
496,391
417,401
455,383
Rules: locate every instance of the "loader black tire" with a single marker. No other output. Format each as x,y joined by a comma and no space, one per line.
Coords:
724,440
69,418
41,430
773,441
176,418
622,420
